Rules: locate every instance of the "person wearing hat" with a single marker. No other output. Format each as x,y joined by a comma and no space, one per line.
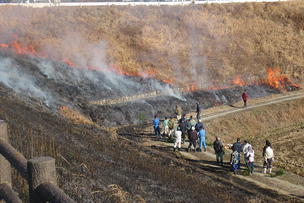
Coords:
171,126
192,135
237,146
245,150
198,125
165,127
245,97
178,139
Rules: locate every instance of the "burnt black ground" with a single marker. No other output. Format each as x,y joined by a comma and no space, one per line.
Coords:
89,160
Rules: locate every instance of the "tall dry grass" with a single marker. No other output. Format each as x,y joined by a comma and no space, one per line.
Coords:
187,43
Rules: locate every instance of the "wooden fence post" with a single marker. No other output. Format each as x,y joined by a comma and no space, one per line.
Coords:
5,166
40,170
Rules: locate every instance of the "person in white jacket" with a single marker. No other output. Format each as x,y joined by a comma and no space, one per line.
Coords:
245,150
250,157
178,139
268,156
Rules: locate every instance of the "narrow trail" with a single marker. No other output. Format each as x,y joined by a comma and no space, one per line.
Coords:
288,184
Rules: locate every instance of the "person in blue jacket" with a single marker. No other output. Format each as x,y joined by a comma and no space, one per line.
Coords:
156,126
202,141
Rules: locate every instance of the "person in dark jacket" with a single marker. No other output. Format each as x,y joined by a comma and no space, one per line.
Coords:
237,146
198,110
245,97
198,125
192,135
234,162
218,148
183,129
183,119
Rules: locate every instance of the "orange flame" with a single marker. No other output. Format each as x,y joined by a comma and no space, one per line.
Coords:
274,78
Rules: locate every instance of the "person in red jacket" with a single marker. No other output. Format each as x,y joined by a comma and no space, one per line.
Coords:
245,97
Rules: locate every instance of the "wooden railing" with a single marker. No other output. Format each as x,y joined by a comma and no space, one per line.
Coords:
39,172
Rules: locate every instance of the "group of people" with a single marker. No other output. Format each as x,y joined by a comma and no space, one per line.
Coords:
248,152
194,130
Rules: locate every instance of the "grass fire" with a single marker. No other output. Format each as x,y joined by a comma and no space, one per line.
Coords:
83,85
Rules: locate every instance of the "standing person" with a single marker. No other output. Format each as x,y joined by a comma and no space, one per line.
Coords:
165,127
245,150
202,141
218,148
156,126
198,125
268,156
192,135
171,126
250,157
234,160
189,124
237,146
183,129
245,97
183,119
178,112
178,139
198,110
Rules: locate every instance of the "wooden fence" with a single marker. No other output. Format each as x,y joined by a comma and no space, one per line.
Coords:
39,172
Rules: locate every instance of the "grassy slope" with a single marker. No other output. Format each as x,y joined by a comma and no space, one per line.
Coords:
204,42
223,39
282,124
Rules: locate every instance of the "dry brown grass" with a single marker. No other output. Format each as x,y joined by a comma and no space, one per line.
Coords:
280,123
202,42
75,116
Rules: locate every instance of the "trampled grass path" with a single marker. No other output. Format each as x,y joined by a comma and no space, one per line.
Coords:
288,184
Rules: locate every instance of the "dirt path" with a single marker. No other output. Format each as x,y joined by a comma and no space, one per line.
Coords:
288,184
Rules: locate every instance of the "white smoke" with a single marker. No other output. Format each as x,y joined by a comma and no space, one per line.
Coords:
12,76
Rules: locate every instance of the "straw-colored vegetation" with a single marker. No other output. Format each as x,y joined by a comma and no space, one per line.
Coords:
203,42
186,43
281,123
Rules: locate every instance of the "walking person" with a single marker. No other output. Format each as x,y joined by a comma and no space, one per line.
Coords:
171,126
218,148
237,146
268,157
202,140
165,127
178,112
234,160
192,135
245,97
250,157
156,126
198,110
245,150
178,139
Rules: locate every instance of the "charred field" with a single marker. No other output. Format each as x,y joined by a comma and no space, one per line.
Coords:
95,165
